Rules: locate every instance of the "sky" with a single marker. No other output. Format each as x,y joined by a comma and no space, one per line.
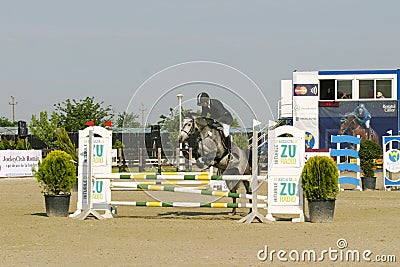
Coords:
136,55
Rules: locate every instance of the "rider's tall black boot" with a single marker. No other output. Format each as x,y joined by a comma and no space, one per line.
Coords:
228,142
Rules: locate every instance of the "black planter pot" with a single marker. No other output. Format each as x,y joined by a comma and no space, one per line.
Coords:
57,205
368,183
321,211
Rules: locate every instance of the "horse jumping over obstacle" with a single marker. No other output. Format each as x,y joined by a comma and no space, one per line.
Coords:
351,125
96,181
209,149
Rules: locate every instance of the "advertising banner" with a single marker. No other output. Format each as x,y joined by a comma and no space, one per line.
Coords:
392,160
342,119
305,106
286,153
286,190
19,163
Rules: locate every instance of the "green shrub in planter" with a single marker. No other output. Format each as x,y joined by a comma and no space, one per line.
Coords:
56,173
369,151
319,178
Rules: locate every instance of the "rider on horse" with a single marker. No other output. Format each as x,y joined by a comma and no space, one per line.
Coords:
364,117
217,112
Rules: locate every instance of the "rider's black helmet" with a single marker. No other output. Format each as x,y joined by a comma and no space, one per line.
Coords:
201,98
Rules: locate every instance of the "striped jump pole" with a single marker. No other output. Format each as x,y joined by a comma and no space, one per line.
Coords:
154,176
186,177
185,190
186,204
134,184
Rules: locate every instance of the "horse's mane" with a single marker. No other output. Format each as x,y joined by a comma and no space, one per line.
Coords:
350,115
202,121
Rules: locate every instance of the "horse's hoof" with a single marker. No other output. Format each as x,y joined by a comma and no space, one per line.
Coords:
233,213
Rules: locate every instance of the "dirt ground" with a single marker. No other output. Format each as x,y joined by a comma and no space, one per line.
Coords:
189,237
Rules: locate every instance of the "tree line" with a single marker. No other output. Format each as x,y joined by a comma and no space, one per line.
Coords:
73,115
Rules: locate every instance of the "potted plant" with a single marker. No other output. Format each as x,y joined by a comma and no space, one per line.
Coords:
369,151
319,180
56,175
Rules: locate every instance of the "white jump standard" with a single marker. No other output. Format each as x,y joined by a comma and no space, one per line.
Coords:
96,182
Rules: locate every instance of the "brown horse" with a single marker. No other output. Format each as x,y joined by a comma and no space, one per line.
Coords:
352,126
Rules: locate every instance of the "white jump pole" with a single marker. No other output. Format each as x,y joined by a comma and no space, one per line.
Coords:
254,214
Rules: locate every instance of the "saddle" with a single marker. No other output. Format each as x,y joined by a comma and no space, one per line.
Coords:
226,141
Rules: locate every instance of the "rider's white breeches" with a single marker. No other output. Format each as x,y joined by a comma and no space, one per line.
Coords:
225,129
367,124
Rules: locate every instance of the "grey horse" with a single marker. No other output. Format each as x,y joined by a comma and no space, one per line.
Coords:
210,149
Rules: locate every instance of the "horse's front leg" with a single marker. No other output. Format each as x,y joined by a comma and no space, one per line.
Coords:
248,191
234,202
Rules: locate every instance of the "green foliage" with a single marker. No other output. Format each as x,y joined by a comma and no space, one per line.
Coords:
23,144
241,141
45,128
5,144
319,178
5,122
118,144
235,123
56,173
127,120
369,151
63,142
11,144
73,114
170,123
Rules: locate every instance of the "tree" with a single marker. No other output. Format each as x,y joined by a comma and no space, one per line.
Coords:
127,120
235,123
170,123
4,122
63,142
73,114
241,141
45,128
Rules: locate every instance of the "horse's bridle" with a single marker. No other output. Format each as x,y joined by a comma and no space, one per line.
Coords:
200,138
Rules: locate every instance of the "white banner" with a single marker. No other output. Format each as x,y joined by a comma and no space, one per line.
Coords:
305,106
286,152
391,160
19,163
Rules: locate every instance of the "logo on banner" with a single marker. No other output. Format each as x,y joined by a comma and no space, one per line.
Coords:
389,108
99,192
392,160
99,155
286,190
286,153
306,90
309,140
300,90
314,90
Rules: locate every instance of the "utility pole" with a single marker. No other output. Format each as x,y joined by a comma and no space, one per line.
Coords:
13,103
142,110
